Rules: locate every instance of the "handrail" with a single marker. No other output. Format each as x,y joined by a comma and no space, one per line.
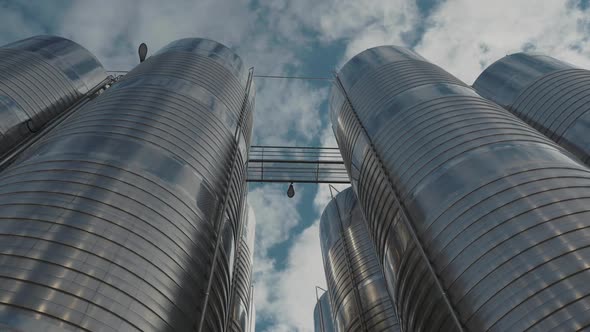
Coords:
11,155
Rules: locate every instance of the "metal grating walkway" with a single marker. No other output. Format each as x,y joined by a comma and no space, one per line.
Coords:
296,164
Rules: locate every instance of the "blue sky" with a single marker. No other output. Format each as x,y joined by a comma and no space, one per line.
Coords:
307,38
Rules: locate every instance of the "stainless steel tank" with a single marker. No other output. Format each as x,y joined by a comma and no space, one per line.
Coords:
358,292
549,94
322,315
241,302
111,222
480,222
40,77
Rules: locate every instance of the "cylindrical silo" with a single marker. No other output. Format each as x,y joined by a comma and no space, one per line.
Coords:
112,221
549,94
40,77
322,315
241,301
358,293
480,222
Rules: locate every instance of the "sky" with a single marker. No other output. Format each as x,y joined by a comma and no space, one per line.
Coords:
306,38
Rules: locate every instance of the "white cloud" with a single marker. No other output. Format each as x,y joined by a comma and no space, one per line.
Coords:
327,138
23,19
287,112
465,36
16,26
360,24
287,297
276,215
112,29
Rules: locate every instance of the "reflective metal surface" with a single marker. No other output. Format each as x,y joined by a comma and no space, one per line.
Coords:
550,95
322,315
40,77
242,281
109,223
358,292
480,222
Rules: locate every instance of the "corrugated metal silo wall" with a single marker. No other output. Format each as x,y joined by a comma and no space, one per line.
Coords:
481,222
358,292
322,315
40,77
242,283
550,95
111,221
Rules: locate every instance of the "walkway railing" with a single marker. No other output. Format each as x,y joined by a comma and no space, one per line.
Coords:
296,164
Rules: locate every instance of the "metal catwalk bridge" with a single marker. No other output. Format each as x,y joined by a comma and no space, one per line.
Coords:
296,164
